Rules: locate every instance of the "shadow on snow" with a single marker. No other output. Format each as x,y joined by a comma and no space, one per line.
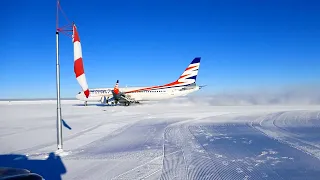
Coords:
50,168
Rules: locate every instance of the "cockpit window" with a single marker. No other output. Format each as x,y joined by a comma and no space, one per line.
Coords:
79,92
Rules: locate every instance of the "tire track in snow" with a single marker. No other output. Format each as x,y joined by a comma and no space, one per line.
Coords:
192,162
208,169
305,127
172,166
230,153
238,151
271,128
127,175
99,150
138,144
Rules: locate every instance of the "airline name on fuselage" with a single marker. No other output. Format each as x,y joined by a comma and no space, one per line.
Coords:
101,91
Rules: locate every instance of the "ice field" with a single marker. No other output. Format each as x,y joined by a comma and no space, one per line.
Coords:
178,139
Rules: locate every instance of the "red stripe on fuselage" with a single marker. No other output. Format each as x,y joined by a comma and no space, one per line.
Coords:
153,87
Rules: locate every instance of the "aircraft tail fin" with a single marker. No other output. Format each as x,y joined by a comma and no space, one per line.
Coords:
116,87
189,76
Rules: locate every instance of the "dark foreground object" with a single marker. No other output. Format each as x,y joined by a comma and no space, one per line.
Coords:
50,168
8,173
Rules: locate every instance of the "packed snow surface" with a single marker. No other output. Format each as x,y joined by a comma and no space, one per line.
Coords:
176,139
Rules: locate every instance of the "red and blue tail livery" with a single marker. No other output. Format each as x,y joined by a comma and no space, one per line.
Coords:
189,76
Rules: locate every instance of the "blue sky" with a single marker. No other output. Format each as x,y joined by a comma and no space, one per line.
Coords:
243,44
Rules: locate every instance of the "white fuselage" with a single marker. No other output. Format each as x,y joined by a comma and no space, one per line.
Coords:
147,95
184,85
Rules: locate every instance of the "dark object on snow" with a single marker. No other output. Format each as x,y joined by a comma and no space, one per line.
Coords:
8,173
21,167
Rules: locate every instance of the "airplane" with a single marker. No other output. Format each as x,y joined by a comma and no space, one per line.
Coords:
183,86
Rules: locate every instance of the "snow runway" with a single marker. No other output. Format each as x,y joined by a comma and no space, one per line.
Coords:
163,141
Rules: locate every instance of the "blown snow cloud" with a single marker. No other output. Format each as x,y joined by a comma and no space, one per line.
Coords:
290,95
